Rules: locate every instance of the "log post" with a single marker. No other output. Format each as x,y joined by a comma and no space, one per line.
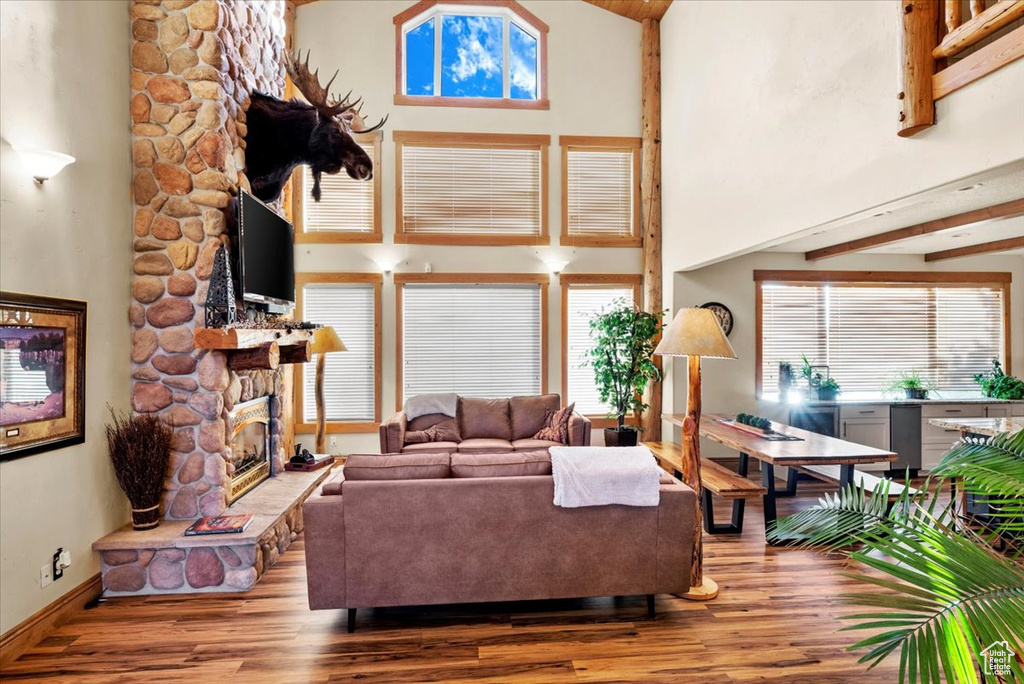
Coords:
650,201
954,16
977,7
318,391
701,588
297,353
919,22
267,356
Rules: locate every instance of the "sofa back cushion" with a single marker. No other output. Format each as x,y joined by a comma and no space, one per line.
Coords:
445,431
484,418
424,422
397,467
512,464
527,413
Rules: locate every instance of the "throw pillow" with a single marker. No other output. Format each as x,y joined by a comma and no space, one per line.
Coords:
445,431
556,425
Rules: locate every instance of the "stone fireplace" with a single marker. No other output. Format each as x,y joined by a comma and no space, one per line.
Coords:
249,448
194,65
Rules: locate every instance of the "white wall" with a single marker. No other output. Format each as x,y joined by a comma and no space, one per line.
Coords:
64,86
780,116
594,85
728,385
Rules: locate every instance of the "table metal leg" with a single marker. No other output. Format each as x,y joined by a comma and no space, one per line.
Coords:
744,464
845,475
790,489
768,480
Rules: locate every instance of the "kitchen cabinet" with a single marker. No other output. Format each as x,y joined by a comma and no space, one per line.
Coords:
867,425
997,411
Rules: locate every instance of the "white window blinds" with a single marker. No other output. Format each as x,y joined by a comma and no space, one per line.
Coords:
583,302
867,334
471,190
600,192
476,340
349,392
346,205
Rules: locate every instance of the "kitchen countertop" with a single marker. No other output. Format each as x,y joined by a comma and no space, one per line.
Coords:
856,399
980,426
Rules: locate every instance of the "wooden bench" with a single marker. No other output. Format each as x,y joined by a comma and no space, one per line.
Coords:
866,481
715,479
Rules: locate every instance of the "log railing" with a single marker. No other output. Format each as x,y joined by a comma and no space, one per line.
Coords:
928,40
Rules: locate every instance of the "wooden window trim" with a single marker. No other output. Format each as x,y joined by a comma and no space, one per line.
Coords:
605,144
471,140
885,278
403,279
401,99
362,426
299,198
568,280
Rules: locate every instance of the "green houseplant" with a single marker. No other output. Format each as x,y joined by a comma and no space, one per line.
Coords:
910,384
999,385
826,388
140,449
785,377
624,340
941,593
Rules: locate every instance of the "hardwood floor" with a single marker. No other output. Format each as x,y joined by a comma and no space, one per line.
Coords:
775,620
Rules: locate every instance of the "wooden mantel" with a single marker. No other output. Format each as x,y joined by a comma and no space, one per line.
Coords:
227,339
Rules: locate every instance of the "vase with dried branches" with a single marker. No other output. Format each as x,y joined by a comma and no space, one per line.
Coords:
140,448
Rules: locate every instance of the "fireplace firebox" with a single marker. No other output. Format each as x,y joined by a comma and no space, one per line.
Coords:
249,455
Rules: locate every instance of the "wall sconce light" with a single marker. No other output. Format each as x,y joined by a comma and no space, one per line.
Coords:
43,164
386,264
556,266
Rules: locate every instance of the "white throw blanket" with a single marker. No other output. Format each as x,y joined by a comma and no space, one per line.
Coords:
598,476
423,404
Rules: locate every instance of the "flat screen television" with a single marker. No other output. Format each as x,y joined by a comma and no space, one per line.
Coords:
266,254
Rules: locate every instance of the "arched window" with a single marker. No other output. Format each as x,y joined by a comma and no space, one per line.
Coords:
461,54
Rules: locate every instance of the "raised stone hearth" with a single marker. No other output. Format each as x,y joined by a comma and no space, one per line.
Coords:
164,561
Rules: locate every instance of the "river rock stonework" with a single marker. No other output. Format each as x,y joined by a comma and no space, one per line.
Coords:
194,64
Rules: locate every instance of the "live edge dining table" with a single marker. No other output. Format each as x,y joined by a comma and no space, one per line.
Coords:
811,450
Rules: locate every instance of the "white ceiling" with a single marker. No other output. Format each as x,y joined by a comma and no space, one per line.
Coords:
977,192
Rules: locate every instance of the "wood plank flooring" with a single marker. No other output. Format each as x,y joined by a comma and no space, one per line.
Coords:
775,620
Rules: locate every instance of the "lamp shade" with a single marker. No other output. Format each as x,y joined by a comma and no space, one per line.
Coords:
325,340
43,164
695,332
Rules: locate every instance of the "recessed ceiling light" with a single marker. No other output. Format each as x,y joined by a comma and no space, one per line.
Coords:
881,213
971,187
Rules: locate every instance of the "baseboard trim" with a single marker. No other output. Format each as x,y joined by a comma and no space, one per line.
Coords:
19,639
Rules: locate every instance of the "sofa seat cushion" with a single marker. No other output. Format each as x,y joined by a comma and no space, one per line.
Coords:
517,464
528,413
534,444
396,467
431,448
483,445
333,484
484,418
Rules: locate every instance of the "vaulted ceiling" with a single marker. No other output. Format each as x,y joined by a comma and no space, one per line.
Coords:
638,10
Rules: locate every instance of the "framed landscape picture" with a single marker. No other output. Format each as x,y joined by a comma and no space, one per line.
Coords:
42,374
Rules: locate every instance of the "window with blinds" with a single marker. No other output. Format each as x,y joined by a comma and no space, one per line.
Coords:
476,340
349,376
601,198
582,303
486,189
868,333
347,207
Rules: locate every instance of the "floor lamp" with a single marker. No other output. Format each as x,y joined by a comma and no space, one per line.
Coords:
325,341
695,333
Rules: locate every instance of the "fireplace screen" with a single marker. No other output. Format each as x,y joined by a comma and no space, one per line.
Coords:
250,446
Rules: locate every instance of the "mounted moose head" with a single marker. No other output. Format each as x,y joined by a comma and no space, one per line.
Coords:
281,135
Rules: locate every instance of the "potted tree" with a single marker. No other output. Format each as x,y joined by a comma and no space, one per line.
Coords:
140,449
624,340
785,377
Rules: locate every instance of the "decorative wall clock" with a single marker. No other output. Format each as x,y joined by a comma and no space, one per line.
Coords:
723,315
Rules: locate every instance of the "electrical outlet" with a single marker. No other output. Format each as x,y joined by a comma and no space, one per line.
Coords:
45,575
333,442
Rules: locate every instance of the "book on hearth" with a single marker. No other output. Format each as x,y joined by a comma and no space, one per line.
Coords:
219,524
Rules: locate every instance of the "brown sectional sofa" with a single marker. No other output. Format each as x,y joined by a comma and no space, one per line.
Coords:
486,426
426,529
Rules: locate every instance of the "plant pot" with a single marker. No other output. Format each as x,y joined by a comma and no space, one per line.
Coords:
613,437
916,393
146,518
827,394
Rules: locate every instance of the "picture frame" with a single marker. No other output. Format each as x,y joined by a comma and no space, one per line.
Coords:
42,373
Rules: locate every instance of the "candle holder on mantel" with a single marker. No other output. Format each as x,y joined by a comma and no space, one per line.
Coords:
220,308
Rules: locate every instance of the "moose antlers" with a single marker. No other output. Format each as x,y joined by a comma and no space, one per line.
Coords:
319,96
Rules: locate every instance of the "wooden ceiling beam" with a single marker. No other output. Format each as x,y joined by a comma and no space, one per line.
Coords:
637,10
999,211
983,248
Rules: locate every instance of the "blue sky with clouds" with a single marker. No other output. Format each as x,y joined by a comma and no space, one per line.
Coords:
471,58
